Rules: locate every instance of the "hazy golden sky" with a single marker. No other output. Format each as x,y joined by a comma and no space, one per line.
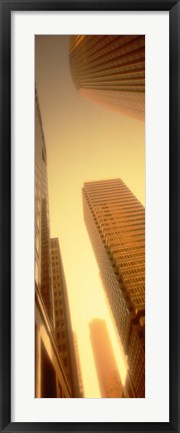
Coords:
84,142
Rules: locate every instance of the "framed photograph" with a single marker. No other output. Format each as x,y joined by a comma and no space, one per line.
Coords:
90,211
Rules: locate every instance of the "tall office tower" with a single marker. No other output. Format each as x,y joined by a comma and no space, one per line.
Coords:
116,224
63,328
110,70
52,371
78,366
50,375
107,372
43,275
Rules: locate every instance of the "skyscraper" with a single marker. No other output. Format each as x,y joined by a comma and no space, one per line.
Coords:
50,375
115,221
107,372
63,328
43,273
81,387
110,70
55,369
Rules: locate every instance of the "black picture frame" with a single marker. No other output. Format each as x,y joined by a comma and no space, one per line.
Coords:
6,7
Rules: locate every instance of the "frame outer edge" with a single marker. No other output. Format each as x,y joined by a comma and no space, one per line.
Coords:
1,228
174,165
5,226
178,228
5,223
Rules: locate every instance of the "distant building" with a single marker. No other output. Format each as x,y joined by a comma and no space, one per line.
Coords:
110,70
107,372
115,220
55,370
78,366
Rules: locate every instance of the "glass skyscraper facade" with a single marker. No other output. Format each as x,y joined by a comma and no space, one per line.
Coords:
110,70
81,387
63,328
43,272
115,220
55,365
